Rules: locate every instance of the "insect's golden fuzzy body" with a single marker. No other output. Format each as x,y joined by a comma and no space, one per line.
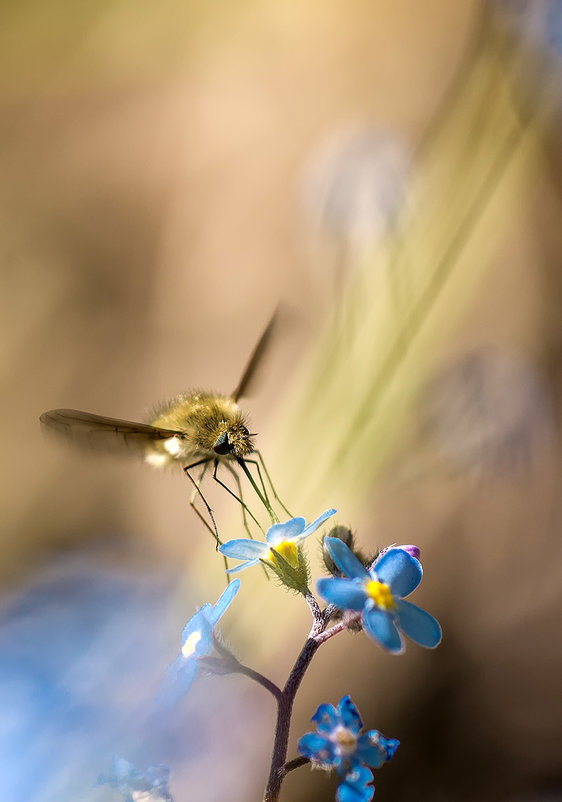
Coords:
194,427
202,418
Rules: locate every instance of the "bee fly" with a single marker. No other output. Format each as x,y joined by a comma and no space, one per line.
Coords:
200,429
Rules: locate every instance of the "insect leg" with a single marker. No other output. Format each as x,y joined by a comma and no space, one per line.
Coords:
245,509
268,477
262,483
262,496
197,492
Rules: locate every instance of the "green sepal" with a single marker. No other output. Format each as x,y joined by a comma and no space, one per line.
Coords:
293,577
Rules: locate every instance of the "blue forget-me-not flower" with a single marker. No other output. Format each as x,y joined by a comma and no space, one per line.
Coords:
378,593
339,745
285,538
356,786
197,642
135,785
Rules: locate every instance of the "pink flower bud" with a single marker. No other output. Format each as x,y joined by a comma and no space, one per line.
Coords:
413,551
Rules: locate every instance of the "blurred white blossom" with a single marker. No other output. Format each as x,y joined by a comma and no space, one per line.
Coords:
488,410
354,186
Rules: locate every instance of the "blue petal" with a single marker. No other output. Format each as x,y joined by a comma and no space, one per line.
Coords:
123,775
287,531
419,626
199,623
158,776
177,681
242,566
399,570
318,522
380,626
317,748
326,718
355,786
390,745
122,769
346,594
368,753
374,749
349,715
346,561
244,549
224,601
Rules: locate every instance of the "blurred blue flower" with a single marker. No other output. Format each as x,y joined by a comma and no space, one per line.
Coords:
197,642
378,594
339,745
355,183
538,22
284,538
149,786
356,786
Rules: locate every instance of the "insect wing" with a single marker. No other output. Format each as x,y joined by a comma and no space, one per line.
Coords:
256,359
104,434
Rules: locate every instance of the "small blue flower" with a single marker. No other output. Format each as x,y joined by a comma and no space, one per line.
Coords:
339,745
197,642
284,538
150,785
356,786
378,594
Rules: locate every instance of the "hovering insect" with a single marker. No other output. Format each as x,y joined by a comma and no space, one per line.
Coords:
194,429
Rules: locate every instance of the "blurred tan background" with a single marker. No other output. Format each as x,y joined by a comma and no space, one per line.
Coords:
169,174
151,204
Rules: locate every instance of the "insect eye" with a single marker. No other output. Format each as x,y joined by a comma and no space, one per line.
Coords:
222,445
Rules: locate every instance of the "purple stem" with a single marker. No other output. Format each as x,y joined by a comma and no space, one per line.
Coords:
227,663
279,767
231,665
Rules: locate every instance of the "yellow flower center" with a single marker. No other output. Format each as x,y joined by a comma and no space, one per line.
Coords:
380,594
190,644
288,550
345,740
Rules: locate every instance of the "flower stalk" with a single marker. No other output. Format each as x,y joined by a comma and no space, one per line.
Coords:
361,595
278,769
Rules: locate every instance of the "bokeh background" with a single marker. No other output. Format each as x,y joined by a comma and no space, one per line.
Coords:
390,173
